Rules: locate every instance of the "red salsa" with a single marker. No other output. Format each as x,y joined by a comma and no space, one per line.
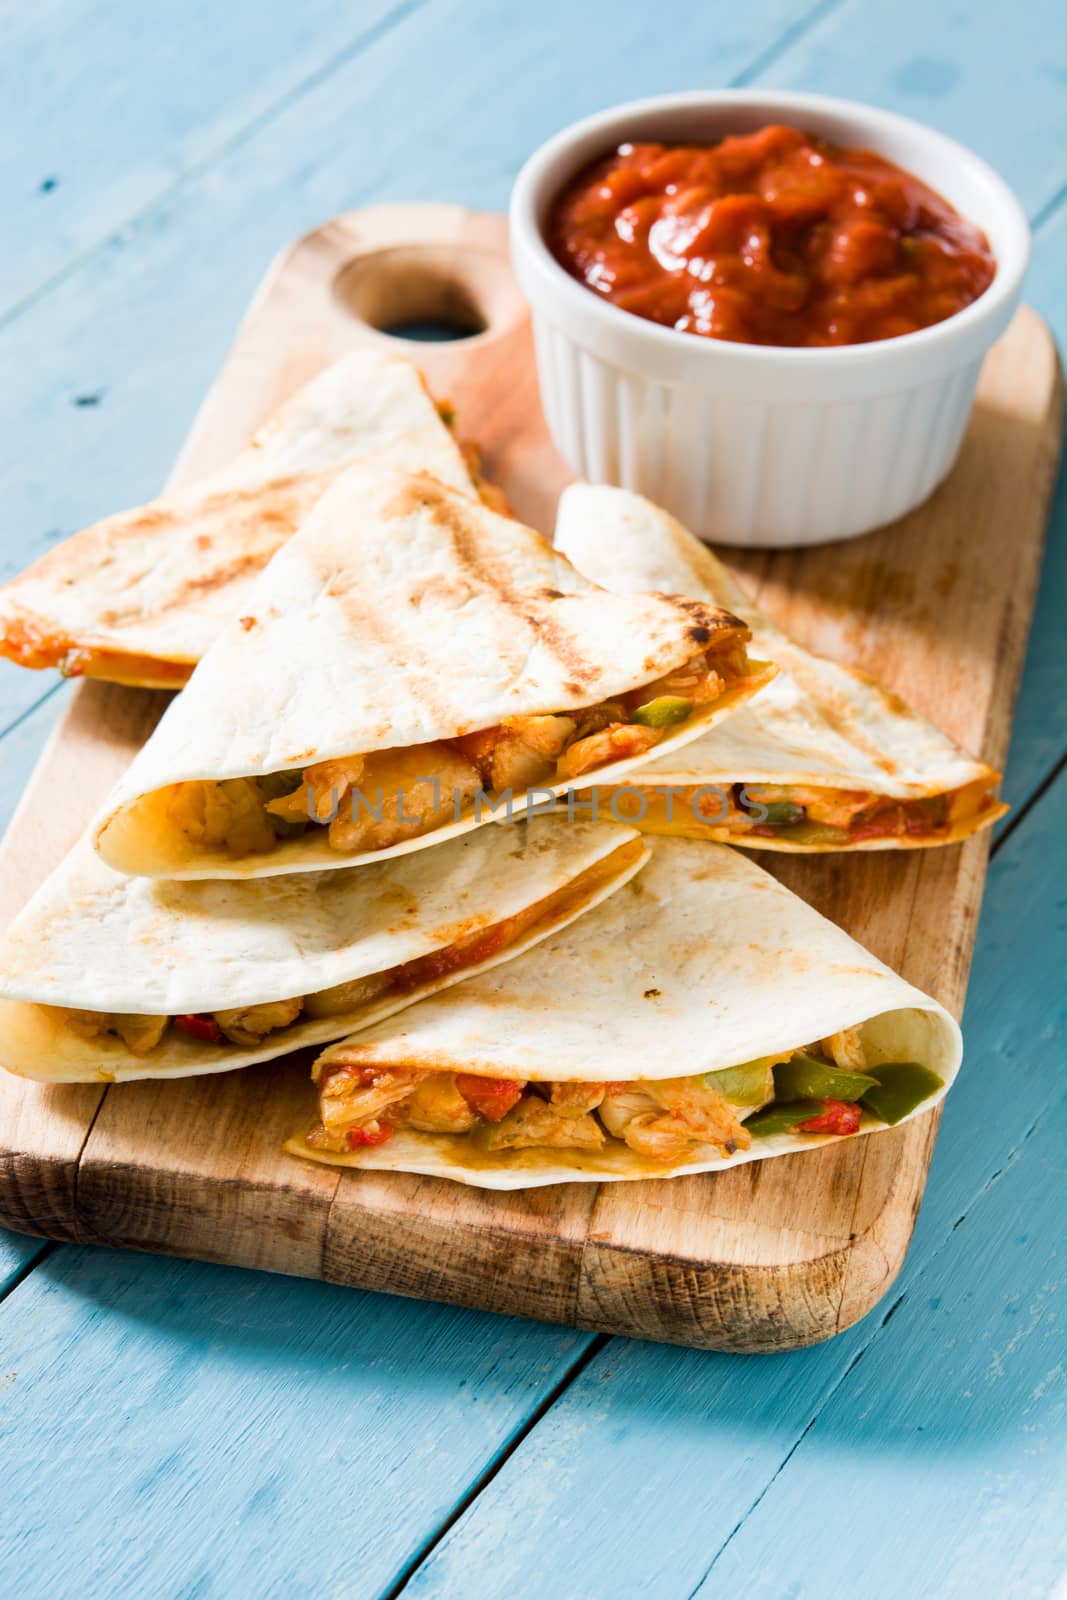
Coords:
774,238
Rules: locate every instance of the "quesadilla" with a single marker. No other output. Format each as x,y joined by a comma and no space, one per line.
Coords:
139,597
411,665
823,759
105,978
701,1017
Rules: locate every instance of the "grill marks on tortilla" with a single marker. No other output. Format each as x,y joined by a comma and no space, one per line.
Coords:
560,643
232,536
533,607
537,610
479,573
245,565
373,625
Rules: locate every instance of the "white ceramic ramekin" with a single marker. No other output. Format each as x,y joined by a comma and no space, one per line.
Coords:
746,444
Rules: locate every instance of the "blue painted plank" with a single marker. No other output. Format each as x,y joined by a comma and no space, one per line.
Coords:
184,1430
106,105
680,1445
17,696
938,1467
17,1252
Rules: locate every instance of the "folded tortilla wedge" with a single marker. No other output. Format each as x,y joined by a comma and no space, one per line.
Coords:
139,597
701,1017
106,978
407,654
823,759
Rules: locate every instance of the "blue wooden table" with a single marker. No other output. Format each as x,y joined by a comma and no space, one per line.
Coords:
179,1430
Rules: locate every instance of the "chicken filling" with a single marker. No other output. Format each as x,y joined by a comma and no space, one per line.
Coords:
249,1026
372,802
805,814
822,1089
664,1120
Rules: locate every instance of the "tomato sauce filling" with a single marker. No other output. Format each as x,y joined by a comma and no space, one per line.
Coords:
773,238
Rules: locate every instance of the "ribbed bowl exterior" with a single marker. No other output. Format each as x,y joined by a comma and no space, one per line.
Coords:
744,471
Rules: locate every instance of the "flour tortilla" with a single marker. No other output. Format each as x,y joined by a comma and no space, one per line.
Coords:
817,723
402,612
92,939
139,597
703,961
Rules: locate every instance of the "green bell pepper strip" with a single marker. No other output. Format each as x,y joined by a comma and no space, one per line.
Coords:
782,1118
663,712
750,1084
804,1078
816,833
899,1087
781,813
273,785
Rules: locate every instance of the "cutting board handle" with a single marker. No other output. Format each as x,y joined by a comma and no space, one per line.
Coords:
339,286
426,264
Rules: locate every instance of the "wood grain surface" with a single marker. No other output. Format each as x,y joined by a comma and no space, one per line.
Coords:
771,1256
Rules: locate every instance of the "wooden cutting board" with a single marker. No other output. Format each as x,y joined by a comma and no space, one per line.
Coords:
774,1255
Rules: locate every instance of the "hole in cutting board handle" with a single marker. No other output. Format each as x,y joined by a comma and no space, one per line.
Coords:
425,332
426,292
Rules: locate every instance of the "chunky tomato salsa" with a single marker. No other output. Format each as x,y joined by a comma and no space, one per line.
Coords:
773,238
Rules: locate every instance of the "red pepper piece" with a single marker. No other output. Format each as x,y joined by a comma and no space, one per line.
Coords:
837,1116
491,1098
198,1025
923,818
373,1133
881,824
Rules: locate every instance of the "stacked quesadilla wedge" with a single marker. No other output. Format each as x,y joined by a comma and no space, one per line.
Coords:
104,978
823,759
139,597
380,666
409,666
701,1017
